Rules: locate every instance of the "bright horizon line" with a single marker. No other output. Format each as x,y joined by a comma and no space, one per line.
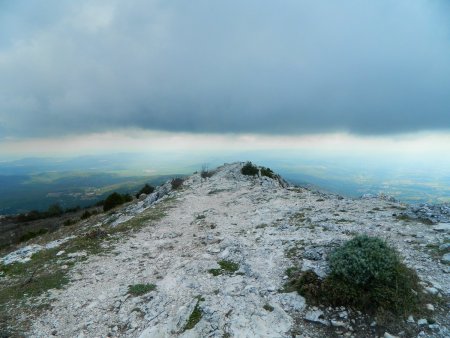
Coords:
426,143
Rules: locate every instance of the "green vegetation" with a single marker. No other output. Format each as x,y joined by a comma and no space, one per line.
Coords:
267,172
22,282
146,189
217,191
69,222
32,234
366,274
86,214
364,260
226,267
140,289
195,316
74,209
52,211
30,279
205,172
290,272
298,218
249,169
268,307
115,199
176,183
407,218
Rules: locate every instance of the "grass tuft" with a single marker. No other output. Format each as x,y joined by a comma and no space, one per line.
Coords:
195,316
226,267
140,289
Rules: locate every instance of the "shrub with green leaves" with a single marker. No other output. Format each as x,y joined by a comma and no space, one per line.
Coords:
176,183
114,200
146,189
267,172
86,215
363,261
32,234
365,273
249,169
205,172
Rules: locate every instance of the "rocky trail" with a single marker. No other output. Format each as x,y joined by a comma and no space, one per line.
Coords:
214,264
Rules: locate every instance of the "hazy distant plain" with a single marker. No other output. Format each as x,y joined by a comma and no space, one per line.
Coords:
37,183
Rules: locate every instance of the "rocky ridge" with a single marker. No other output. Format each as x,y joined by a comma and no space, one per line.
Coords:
218,259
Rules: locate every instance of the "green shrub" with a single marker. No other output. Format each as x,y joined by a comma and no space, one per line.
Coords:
205,172
146,189
127,198
54,210
249,169
33,215
114,200
367,274
32,234
364,260
86,215
74,209
267,172
69,222
176,183
29,216
268,307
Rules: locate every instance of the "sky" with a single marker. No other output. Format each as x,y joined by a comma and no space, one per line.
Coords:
356,75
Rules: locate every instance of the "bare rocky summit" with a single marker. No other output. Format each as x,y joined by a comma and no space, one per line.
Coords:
214,264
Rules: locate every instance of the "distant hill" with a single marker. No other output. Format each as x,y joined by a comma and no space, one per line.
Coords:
22,193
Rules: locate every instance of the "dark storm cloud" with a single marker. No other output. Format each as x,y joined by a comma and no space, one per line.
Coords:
369,67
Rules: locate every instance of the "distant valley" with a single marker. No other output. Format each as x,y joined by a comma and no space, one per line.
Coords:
35,184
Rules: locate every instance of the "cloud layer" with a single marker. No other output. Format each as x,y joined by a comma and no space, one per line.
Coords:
290,67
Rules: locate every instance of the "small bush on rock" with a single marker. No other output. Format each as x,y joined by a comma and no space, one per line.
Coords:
364,261
367,274
114,200
267,172
249,169
205,172
176,183
146,189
